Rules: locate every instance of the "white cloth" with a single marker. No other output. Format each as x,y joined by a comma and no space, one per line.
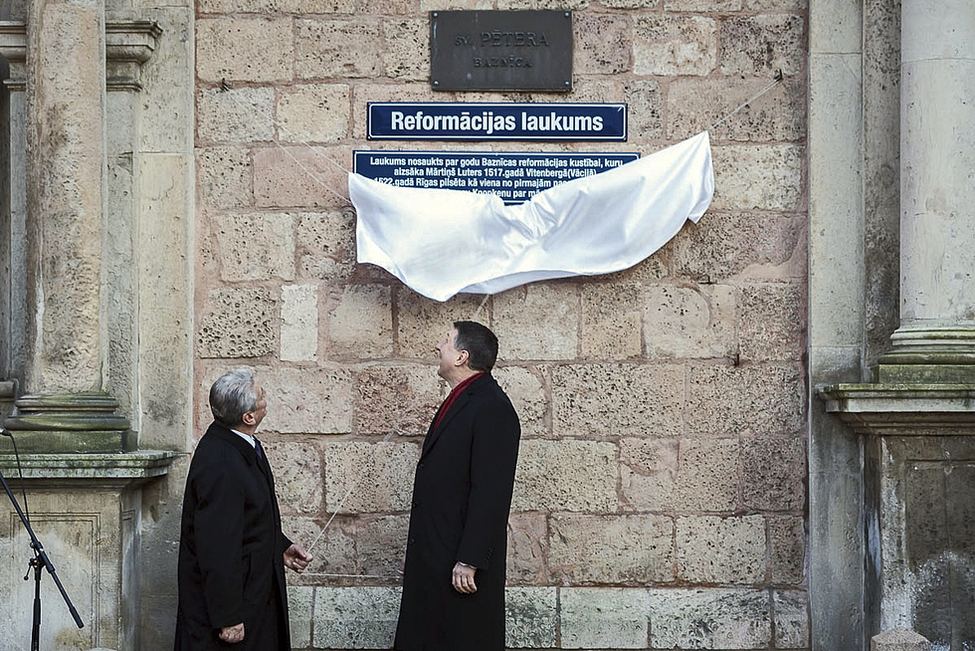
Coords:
443,242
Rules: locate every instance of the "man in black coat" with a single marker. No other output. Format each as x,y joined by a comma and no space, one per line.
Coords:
454,574
232,552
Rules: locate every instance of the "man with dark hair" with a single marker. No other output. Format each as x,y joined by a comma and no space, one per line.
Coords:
454,574
232,552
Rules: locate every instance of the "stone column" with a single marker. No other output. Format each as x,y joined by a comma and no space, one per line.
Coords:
937,329
13,187
65,198
66,327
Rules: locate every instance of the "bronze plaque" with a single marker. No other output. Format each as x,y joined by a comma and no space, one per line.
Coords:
501,50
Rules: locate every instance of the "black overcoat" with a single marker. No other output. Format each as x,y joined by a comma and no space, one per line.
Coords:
231,564
461,497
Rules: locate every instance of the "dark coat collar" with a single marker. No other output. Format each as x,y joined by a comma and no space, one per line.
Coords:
224,433
480,384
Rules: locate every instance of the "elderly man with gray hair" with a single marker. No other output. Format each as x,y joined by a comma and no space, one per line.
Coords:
232,552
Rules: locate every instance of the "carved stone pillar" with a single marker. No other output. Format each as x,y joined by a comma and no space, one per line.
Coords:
936,338
13,211
918,420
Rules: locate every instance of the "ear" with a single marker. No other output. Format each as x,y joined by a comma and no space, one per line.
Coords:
248,418
462,357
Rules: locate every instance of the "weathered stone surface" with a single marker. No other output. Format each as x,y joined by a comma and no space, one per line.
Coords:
355,618
382,474
631,4
693,105
407,49
237,115
300,599
381,544
645,105
255,246
674,45
166,122
611,549
215,6
602,44
565,476
423,323
787,549
604,618
333,48
771,5
224,177
713,618
554,5
526,388
595,89
773,322
531,616
791,609
333,551
300,175
690,322
743,245
299,323
612,321
899,639
527,549
618,400
766,177
308,400
691,475
244,49
774,471
749,400
518,310
326,244
314,113
404,397
703,5
760,45
296,6
395,7
433,5
361,324
237,322
723,550
297,475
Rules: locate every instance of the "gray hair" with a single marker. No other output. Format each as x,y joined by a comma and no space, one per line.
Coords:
232,396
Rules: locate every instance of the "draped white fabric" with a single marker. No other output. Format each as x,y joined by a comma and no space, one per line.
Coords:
444,242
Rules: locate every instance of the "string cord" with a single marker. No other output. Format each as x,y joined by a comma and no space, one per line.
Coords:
226,88
777,79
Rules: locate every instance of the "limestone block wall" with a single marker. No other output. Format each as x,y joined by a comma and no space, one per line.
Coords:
660,499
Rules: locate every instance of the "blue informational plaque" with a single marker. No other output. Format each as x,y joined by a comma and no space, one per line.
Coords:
496,121
513,176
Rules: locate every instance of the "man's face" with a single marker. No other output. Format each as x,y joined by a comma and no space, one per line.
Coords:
448,353
260,411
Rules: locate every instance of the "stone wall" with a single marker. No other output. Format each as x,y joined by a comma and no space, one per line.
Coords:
660,500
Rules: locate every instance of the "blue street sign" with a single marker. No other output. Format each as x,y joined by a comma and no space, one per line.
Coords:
496,121
514,176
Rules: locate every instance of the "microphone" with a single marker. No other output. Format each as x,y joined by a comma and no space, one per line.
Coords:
4,432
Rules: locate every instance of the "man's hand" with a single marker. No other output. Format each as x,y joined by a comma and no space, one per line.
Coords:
232,634
296,558
463,578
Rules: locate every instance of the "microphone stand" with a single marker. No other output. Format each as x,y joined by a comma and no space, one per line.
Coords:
39,561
